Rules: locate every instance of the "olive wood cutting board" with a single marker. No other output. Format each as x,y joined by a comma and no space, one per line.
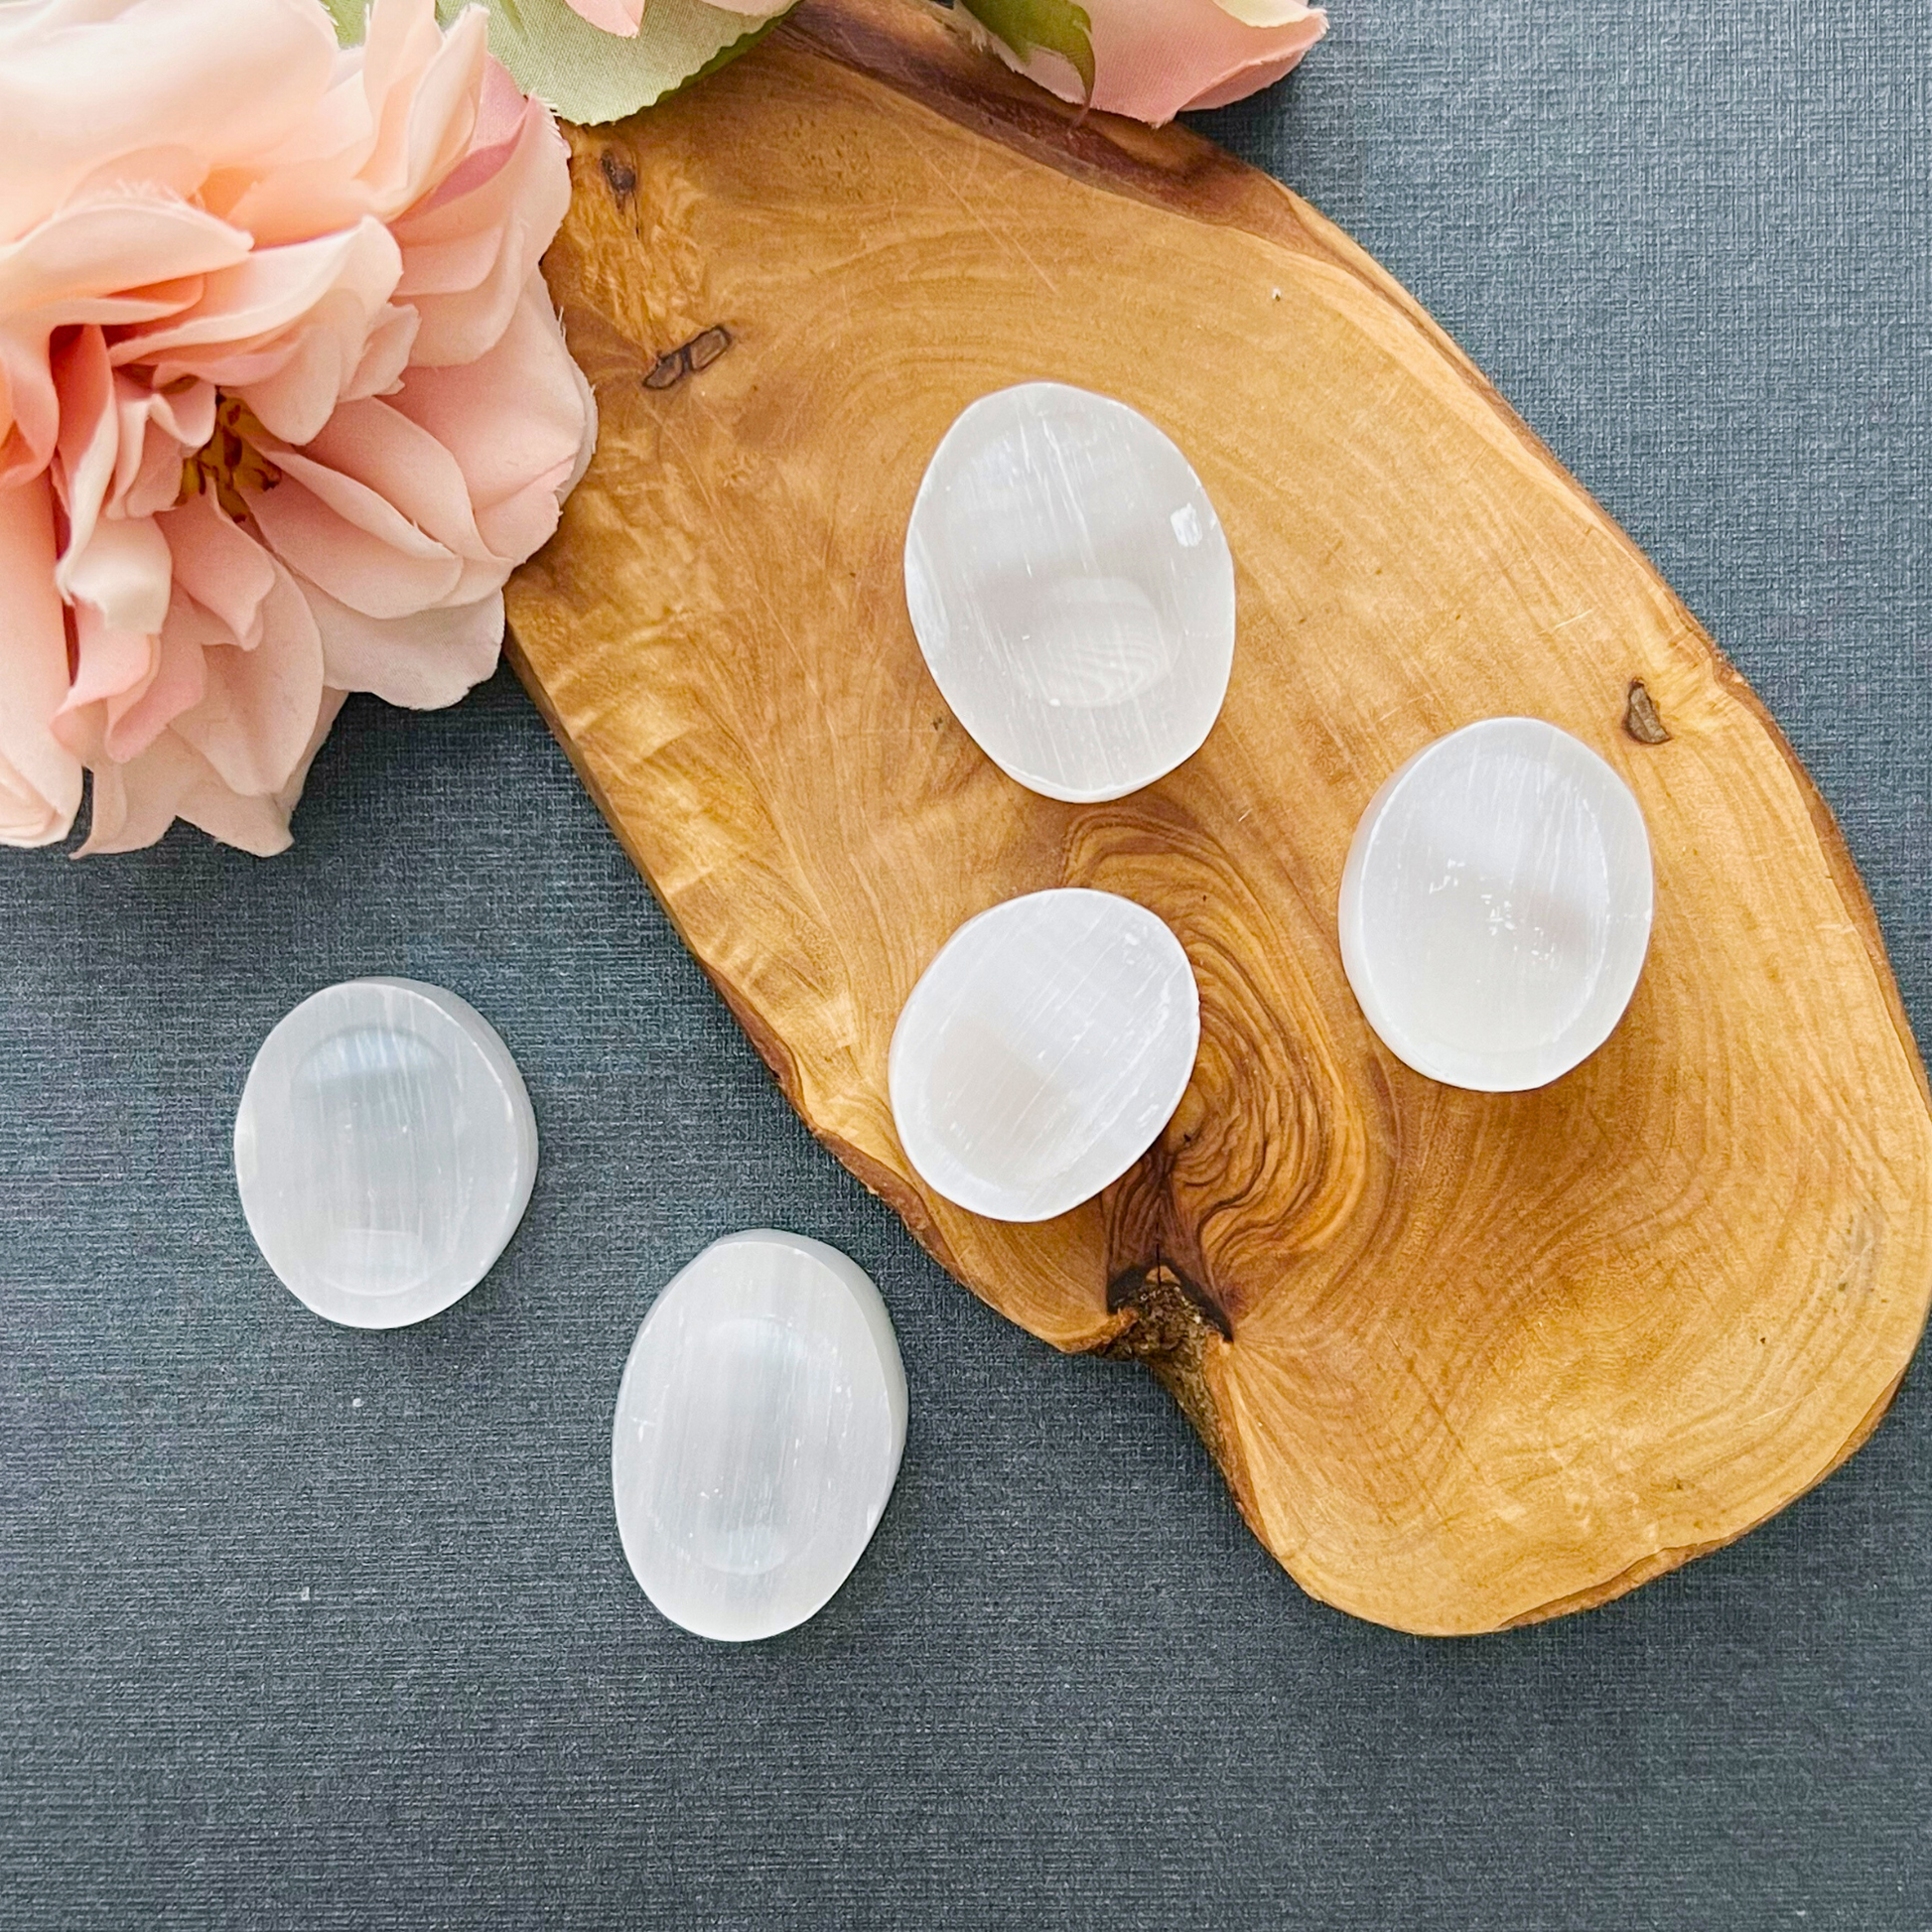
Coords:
1466,1359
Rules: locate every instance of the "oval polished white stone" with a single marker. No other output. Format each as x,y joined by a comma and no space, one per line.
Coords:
1042,1052
758,1432
1497,905
385,1150
1072,590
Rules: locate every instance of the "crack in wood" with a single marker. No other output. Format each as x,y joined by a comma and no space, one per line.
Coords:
1174,1322
689,358
622,176
1640,717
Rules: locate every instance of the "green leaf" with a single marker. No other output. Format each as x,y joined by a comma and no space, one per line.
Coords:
1059,26
585,73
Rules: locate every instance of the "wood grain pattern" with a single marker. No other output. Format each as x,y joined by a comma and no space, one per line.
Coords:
1467,1360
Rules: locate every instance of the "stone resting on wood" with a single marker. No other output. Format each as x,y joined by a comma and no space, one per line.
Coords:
1467,1360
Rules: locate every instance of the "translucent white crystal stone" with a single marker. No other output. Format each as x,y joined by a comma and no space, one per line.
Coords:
385,1150
1495,908
1072,591
1042,1052
758,1434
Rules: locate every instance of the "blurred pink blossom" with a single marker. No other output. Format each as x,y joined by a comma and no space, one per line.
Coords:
283,400
625,16
1155,58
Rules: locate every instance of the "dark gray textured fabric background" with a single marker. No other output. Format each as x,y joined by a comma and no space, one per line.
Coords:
307,1627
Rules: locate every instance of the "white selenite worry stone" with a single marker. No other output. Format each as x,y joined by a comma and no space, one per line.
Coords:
386,1150
1042,1052
758,1432
1495,908
1071,590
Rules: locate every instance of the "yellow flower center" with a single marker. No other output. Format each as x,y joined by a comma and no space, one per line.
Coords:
229,461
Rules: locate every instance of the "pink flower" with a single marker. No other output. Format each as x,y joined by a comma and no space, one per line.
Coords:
283,400
1155,58
624,17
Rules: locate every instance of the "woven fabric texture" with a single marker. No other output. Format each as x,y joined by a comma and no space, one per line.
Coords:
307,1627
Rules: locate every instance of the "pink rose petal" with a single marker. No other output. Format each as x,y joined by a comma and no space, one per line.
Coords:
87,86
123,260
39,779
402,465
222,567
135,801
468,260
512,420
425,660
110,663
621,17
401,115
357,547
1155,58
157,429
136,717
255,720
286,329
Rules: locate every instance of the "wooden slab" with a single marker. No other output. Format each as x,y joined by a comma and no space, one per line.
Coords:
1466,1359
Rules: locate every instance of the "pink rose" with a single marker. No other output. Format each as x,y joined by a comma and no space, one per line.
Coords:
624,17
283,400
1155,58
